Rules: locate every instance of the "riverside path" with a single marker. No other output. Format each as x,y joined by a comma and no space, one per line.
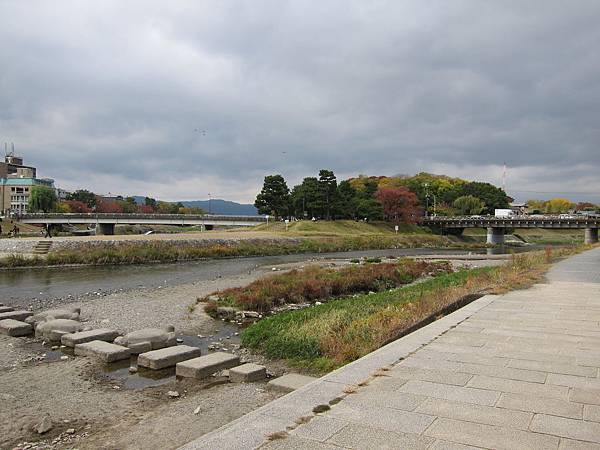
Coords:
514,371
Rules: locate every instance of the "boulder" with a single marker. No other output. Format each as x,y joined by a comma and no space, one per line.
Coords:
148,339
61,313
54,329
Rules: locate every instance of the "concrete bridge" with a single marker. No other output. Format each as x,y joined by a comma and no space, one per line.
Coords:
497,226
105,222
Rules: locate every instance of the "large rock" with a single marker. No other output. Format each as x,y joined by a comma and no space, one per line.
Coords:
54,329
4,309
148,339
167,357
60,313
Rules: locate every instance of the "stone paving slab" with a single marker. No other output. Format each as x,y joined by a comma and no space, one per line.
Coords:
167,357
15,328
246,373
105,351
205,366
101,334
4,309
516,371
16,315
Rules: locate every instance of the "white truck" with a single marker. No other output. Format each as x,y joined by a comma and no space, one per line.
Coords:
505,212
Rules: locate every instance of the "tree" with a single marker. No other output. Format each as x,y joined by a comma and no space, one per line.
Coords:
151,202
468,205
327,189
42,198
369,208
128,205
104,205
399,205
274,198
87,197
557,206
305,198
346,207
77,206
492,196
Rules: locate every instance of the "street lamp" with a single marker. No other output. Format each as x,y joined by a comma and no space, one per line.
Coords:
209,201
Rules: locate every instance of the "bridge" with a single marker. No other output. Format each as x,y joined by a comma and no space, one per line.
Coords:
105,222
497,226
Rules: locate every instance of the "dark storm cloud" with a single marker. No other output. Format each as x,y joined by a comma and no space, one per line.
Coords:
109,95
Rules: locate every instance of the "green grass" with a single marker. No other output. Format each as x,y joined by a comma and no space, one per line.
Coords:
323,337
338,228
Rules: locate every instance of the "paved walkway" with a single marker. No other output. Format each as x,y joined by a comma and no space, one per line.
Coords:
517,371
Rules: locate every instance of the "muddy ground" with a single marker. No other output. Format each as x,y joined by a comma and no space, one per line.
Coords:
94,406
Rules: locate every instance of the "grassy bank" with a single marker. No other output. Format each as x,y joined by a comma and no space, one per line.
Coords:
318,283
335,333
338,228
168,251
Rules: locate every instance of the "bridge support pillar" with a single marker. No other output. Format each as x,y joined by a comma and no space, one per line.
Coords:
105,229
495,235
591,235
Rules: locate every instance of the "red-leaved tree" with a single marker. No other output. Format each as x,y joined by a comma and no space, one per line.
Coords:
75,206
399,204
107,206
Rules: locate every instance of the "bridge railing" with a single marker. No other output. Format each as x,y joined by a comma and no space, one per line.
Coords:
209,217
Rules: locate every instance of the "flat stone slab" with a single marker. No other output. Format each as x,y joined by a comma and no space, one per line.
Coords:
104,351
4,309
102,334
247,373
16,315
206,365
15,328
289,382
167,357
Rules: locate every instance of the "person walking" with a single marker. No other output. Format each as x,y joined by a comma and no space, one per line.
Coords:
47,233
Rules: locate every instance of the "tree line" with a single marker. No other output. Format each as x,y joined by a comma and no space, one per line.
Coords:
398,199
43,199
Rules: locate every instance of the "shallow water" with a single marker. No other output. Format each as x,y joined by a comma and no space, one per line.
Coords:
17,286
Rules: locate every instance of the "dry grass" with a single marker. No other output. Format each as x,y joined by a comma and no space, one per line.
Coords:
343,330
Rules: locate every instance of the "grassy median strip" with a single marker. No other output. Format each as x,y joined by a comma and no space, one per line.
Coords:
323,337
172,251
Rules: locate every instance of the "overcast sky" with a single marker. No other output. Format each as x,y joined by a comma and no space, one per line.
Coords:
113,96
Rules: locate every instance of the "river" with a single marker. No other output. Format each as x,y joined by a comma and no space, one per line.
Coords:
39,283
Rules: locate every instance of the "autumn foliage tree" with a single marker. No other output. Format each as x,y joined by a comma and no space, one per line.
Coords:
77,206
399,204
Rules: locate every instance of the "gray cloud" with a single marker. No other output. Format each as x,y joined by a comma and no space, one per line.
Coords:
108,95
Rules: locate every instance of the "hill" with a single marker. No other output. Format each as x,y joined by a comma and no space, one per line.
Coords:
217,206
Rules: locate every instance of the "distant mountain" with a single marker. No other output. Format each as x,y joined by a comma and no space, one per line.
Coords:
217,206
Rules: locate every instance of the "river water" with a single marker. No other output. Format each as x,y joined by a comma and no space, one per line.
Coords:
39,283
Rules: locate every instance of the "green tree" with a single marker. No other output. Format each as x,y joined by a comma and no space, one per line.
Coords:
328,190
468,205
493,197
148,201
305,198
42,198
274,198
346,207
369,208
81,195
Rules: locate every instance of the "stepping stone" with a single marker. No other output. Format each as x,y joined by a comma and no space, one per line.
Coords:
104,351
205,366
15,328
167,357
4,309
247,373
289,382
102,334
16,315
